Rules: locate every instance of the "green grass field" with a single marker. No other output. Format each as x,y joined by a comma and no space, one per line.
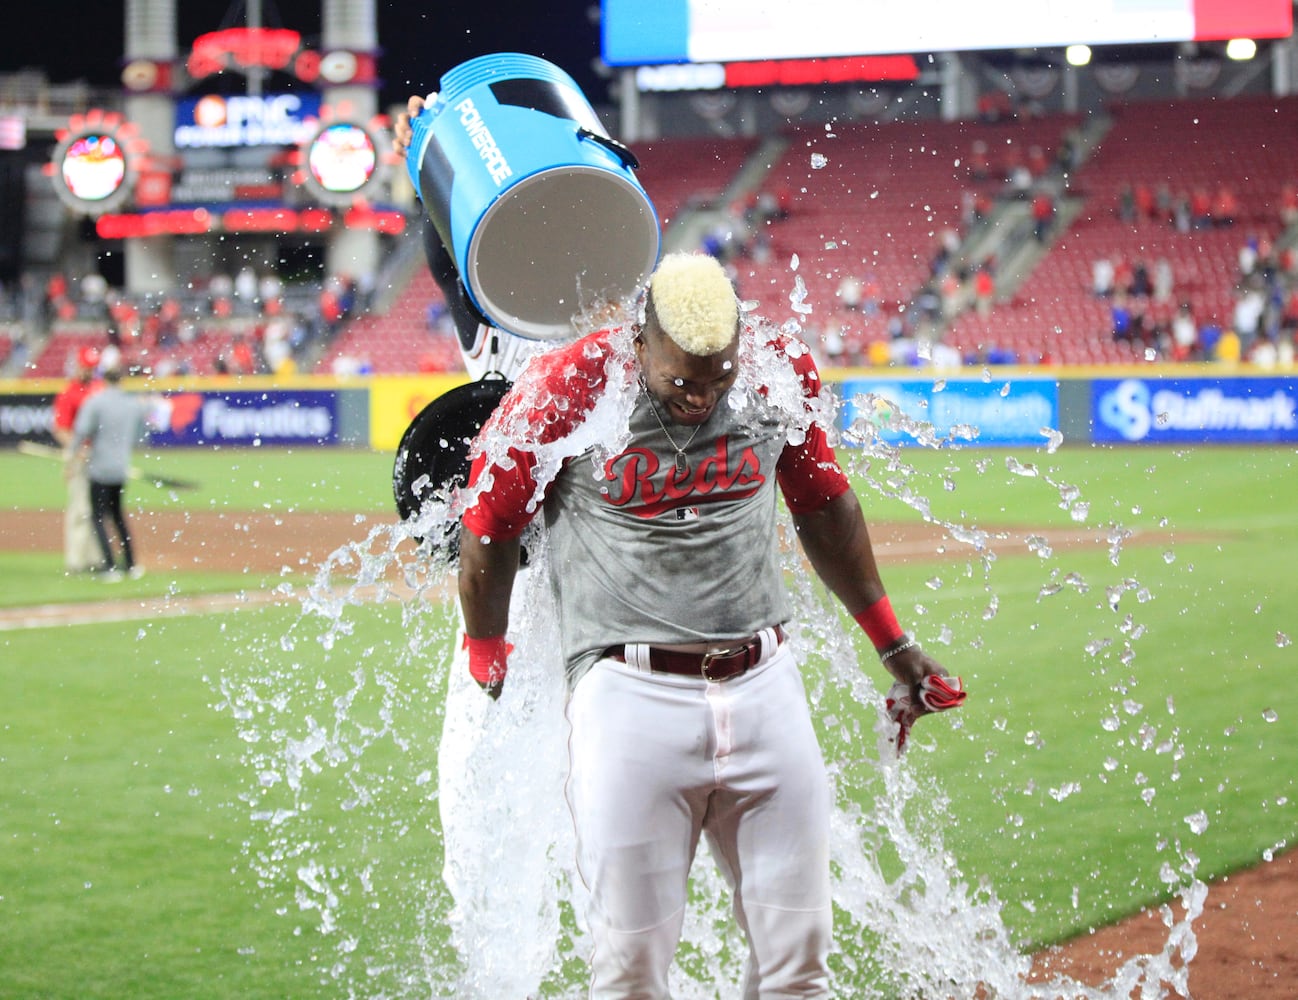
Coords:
1128,709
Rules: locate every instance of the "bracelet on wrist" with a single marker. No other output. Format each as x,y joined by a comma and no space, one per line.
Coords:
900,647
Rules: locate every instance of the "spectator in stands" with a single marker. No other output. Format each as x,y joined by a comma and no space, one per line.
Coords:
877,354
1020,182
1103,276
834,346
1123,274
984,289
57,303
1127,204
1164,280
902,349
330,308
1200,208
242,360
1289,204
928,303
1285,350
995,105
220,294
850,292
943,356
1225,205
94,297
1228,348
1043,215
1120,316
952,294
245,291
1185,335
366,289
1164,203
1247,257
871,302
1037,163
278,348
1263,353
168,328
1289,312
1146,202
1142,286
1246,319
270,289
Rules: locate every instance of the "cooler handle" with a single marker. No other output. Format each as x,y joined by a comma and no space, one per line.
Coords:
624,154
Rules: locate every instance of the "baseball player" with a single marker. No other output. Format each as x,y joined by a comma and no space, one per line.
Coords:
107,428
80,548
686,709
475,762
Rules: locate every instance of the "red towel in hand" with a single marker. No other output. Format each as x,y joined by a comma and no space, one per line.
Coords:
934,694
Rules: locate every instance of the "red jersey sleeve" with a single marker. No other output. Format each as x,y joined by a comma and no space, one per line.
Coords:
501,510
808,473
553,394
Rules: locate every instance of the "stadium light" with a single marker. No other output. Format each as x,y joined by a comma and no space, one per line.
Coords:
1241,49
1078,55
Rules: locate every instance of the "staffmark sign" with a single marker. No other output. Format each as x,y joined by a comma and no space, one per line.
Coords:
1157,411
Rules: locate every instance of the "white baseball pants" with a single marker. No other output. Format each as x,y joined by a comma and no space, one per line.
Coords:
655,759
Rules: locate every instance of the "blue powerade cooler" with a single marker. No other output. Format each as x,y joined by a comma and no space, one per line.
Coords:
539,208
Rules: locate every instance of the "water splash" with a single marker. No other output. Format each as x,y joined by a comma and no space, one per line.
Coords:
348,820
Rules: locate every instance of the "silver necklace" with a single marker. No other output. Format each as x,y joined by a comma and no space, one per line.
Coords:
682,466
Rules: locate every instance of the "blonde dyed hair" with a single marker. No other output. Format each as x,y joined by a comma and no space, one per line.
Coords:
694,303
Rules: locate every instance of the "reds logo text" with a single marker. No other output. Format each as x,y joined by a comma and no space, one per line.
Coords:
637,485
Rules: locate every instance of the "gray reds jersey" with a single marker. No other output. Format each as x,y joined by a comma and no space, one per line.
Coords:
711,532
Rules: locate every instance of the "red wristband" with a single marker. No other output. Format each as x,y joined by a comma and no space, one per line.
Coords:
487,658
880,624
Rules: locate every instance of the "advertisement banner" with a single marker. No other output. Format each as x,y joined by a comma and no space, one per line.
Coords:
26,417
240,419
395,401
964,410
1194,410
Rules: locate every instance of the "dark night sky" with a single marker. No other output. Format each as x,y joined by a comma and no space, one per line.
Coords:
75,40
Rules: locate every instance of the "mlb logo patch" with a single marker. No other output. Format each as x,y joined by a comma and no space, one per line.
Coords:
687,513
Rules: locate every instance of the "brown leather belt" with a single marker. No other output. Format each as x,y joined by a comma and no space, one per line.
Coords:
714,665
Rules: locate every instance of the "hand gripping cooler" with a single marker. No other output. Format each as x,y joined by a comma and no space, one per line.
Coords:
539,208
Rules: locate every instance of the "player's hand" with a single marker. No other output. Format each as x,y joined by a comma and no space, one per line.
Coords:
923,686
402,132
488,662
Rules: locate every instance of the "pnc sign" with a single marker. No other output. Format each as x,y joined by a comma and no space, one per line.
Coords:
225,120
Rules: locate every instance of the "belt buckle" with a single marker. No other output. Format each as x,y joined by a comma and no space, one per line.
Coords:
705,664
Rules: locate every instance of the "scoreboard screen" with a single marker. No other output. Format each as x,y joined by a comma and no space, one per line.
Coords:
635,33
